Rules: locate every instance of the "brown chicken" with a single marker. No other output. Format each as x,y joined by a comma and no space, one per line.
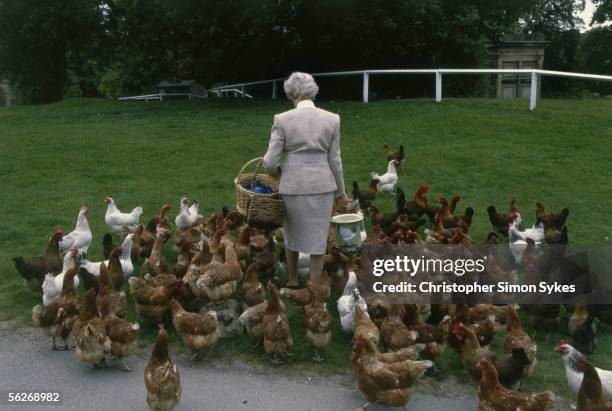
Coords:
433,337
419,204
485,329
365,197
591,396
582,327
122,333
394,332
115,269
510,367
153,302
318,325
277,334
192,234
202,262
389,382
551,220
438,228
333,261
92,341
252,321
243,246
382,219
108,245
379,308
118,301
398,155
136,241
494,397
155,261
162,378
33,270
149,232
479,312
303,296
199,332
57,319
267,258
184,259
252,289
219,280
543,317
517,338
365,328
499,221
448,219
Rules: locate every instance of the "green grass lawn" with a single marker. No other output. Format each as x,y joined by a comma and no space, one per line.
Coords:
56,157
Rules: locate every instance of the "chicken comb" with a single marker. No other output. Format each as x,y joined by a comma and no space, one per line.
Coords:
458,325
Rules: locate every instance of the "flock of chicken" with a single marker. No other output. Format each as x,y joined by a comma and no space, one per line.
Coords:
222,258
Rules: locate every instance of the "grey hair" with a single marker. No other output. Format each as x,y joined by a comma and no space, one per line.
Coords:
300,86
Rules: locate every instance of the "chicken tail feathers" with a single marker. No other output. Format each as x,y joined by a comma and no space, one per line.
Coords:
107,239
19,264
137,212
36,315
89,280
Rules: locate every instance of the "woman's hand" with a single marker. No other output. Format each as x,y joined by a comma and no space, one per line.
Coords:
275,172
342,202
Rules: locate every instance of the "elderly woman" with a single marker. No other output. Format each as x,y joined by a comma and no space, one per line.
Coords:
311,173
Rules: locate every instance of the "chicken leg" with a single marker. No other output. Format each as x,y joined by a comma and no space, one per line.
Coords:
124,365
317,357
276,360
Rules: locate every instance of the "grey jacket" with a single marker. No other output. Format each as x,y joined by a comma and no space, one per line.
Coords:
309,138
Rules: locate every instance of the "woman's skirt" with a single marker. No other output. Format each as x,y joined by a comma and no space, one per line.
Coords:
306,223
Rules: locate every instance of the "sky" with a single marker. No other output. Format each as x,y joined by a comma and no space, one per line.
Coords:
586,15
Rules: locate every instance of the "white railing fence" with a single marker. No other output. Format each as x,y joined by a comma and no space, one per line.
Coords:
438,73
161,96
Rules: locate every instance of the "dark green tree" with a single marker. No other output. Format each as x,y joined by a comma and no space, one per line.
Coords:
39,37
603,12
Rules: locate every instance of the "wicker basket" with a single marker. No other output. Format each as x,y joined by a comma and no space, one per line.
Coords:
263,211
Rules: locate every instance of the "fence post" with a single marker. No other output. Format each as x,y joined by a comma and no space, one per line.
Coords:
366,86
274,87
438,86
242,90
534,91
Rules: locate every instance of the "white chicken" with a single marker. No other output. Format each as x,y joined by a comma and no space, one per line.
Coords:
187,215
303,266
194,209
387,181
52,285
80,237
127,267
517,236
117,220
574,375
350,299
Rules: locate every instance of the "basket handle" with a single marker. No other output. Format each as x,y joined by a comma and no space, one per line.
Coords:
260,159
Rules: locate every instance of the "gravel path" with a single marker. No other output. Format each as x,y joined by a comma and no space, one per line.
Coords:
28,363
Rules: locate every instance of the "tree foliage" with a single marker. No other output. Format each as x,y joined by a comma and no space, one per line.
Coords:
41,39
114,47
